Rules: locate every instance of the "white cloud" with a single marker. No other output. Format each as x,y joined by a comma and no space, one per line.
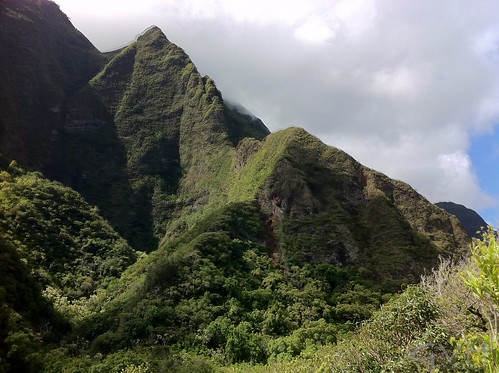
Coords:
456,165
459,182
356,15
315,30
486,43
396,83
103,9
244,11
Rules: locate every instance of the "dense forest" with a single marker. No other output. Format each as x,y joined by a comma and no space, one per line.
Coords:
146,225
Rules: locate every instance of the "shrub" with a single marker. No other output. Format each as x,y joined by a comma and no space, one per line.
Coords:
483,347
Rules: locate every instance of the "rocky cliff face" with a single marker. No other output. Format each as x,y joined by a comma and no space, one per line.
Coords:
324,207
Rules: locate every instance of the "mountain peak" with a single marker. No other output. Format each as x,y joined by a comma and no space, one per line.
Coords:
152,33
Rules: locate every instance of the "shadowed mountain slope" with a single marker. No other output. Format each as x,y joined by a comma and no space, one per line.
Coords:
471,221
43,60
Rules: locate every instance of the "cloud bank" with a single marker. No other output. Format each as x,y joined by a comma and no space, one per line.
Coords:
400,85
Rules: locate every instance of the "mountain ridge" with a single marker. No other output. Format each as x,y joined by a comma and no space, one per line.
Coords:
153,145
211,234
151,142
472,222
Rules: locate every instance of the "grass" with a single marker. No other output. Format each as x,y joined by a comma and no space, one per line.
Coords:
249,180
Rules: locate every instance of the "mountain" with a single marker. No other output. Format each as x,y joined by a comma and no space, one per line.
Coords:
150,129
471,221
210,234
123,154
323,206
151,142
43,60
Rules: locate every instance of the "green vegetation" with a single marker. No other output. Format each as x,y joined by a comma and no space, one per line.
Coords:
215,291
62,239
419,330
220,247
55,251
27,319
485,286
213,300
259,166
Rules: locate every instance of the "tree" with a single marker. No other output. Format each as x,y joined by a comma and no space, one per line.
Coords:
484,347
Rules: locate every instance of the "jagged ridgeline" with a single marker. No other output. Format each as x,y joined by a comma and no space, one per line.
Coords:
269,238
152,144
145,130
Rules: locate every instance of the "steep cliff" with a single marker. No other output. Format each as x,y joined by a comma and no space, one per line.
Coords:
323,206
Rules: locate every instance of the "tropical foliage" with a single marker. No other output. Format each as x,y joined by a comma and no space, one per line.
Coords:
215,246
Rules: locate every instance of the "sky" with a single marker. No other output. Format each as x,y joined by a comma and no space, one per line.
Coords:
409,88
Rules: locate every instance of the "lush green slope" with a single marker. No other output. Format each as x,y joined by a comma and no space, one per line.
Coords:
324,207
444,324
55,251
27,319
62,239
214,290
